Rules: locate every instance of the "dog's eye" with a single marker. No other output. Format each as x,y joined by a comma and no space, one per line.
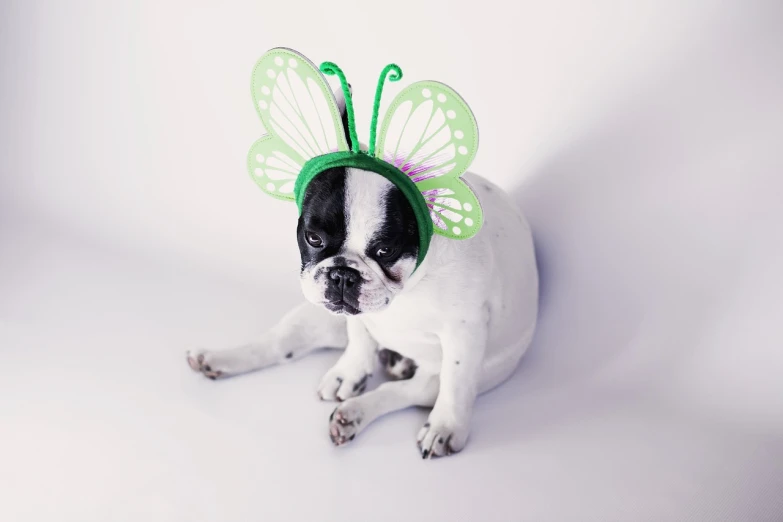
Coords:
314,240
385,252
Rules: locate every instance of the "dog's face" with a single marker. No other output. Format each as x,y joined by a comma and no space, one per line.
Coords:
358,241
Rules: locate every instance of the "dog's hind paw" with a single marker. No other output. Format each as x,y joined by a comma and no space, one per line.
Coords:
343,381
345,422
395,365
438,439
205,363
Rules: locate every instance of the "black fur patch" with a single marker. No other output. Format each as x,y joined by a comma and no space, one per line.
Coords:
389,357
410,371
323,214
396,365
399,233
361,384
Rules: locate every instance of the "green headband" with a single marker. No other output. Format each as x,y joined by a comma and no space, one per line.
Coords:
428,139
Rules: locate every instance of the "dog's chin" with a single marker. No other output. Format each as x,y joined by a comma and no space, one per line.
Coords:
341,308
344,308
375,296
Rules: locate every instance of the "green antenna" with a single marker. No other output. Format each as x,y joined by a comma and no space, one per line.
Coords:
395,76
331,69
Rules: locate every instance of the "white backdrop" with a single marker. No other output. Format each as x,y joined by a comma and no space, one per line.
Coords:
642,139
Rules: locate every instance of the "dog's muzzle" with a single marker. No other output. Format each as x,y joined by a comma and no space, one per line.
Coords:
343,288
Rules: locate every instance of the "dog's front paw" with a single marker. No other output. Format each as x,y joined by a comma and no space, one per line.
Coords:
438,439
345,421
343,381
210,364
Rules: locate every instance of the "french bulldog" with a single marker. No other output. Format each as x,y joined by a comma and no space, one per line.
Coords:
444,332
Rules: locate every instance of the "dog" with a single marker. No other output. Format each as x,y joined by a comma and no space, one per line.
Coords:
453,328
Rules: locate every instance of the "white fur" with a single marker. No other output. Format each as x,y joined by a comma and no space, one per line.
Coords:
466,317
364,204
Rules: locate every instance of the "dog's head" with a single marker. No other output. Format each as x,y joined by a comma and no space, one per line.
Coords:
357,236
358,241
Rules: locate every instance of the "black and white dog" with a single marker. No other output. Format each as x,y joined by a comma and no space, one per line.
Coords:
445,332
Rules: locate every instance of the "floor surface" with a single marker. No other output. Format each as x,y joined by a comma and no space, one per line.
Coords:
102,420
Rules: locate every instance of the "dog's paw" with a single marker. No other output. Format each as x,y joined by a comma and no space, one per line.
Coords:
343,381
208,364
396,366
345,422
438,439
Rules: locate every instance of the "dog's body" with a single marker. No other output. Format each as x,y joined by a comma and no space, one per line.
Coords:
448,330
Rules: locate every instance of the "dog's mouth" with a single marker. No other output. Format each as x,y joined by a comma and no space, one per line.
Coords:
341,307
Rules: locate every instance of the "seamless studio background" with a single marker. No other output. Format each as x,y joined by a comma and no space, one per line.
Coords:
642,139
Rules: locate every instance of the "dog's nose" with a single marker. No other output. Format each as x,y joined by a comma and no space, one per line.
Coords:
343,277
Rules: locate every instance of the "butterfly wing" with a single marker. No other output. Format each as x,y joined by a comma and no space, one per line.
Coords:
430,134
274,167
428,131
300,115
454,208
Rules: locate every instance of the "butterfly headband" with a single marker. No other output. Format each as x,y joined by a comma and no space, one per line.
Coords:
427,140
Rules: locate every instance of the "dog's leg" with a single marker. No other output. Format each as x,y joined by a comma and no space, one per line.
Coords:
447,428
304,329
353,415
348,377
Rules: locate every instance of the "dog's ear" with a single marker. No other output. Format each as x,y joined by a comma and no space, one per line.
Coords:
340,97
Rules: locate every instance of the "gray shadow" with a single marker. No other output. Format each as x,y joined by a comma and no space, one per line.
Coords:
633,222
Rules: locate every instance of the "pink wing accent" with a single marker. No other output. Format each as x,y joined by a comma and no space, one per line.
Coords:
453,216
436,219
432,167
437,192
446,202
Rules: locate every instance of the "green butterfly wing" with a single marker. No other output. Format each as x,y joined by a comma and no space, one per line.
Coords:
300,115
430,134
454,208
274,167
